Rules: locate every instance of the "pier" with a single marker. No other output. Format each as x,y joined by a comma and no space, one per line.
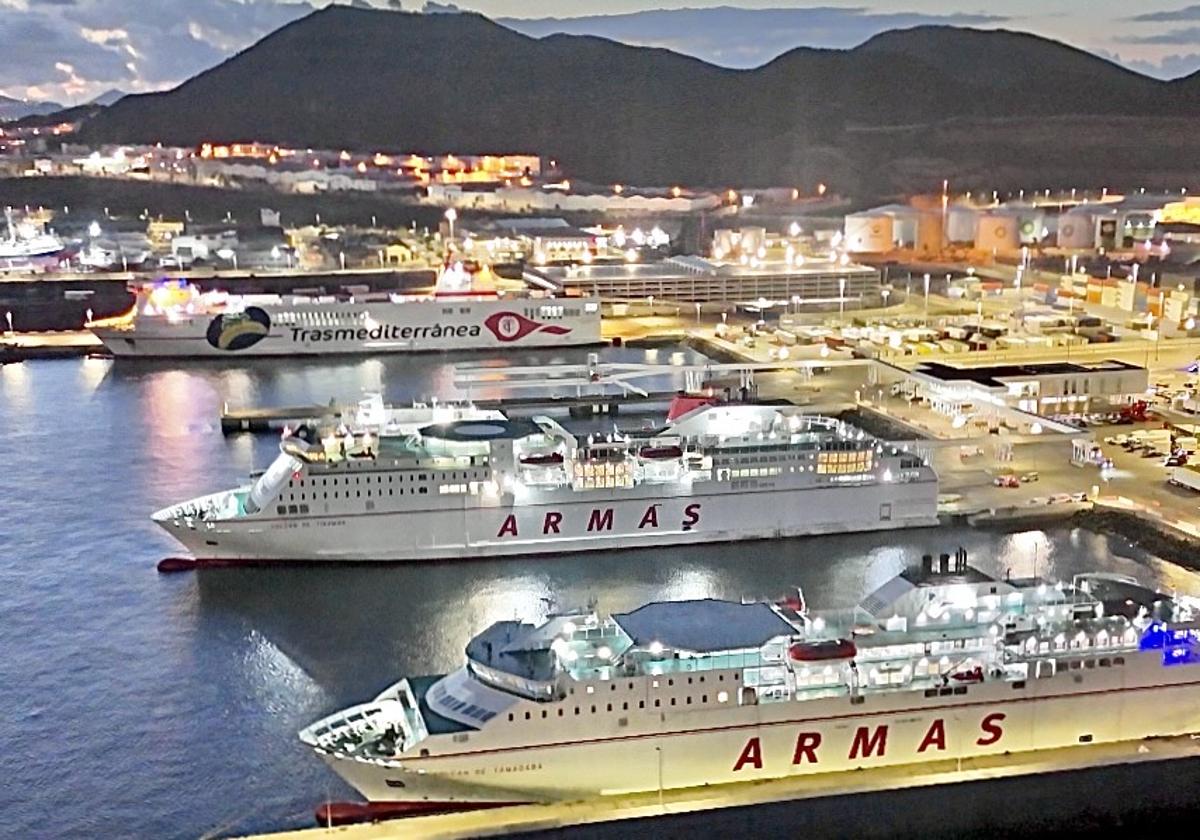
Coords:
785,797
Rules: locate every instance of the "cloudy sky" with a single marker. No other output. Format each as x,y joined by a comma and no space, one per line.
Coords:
72,50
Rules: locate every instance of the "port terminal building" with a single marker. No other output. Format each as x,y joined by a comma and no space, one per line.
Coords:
1054,388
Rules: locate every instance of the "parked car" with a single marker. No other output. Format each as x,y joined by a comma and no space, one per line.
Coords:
1029,476
1007,481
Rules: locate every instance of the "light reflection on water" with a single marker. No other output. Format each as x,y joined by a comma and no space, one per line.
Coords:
145,684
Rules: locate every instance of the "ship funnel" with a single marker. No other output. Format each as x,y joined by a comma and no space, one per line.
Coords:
927,564
944,564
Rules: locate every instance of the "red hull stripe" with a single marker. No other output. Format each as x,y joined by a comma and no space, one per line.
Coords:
794,721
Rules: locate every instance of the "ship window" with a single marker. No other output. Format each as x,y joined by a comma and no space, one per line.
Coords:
672,701
624,707
576,710
610,707
657,703
1106,663
689,700
544,714
703,698
671,682
560,712
689,680
960,689
424,490
1118,660
702,679
527,716
641,704
593,710
1018,684
931,692
510,716
722,696
631,686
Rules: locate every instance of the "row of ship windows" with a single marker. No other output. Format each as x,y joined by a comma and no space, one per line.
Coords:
391,479
612,686
722,697
358,494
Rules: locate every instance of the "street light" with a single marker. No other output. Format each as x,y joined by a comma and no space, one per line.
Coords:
451,214
841,298
927,300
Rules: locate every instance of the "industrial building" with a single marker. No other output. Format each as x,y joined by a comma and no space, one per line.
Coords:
690,278
1046,389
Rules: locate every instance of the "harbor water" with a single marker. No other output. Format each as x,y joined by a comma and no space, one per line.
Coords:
147,705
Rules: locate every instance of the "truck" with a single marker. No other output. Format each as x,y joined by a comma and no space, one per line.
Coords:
1186,476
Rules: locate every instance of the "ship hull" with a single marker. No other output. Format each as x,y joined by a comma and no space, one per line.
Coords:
337,329
723,745
558,523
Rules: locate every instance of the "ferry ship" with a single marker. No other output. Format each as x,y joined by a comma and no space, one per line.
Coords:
502,486
940,662
175,319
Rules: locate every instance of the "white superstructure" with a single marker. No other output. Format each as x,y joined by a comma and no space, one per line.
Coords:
25,246
177,320
486,488
938,663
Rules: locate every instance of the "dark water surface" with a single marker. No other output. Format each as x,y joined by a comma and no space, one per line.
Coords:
140,705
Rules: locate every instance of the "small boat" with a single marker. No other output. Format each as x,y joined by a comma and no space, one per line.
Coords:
660,453
822,650
542,459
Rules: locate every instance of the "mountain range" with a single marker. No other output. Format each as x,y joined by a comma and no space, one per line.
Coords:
15,109
902,108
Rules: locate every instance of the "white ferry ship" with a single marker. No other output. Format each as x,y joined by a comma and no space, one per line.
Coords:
174,319
938,663
26,247
497,487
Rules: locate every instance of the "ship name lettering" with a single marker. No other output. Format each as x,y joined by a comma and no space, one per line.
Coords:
650,517
806,747
552,521
751,754
865,743
509,526
383,331
935,737
991,726
691,516
600,521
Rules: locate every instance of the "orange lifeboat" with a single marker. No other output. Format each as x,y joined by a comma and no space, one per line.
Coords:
823,650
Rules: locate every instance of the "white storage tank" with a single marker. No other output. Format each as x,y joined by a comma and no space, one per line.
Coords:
961,224
997,232
868,233
1076,230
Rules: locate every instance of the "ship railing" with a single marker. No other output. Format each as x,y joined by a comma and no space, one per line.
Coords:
374,731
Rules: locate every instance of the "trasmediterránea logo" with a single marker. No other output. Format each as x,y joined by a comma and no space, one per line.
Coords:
511,326
239,330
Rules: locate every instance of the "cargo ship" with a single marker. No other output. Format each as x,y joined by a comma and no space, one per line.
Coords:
940,662
174,319
492,487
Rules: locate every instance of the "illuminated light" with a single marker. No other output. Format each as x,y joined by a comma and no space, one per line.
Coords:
569,628
794,229
656,648
631,255
1035,429
795,193
604,652
732,196
618,189
571,656
722,696
821,189
676,192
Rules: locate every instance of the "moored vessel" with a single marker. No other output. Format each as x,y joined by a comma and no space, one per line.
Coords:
499,487
175,319
940,662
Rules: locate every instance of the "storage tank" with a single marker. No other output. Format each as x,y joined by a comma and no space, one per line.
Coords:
868,233
961,224
1076,230
997,232
1030,224
929,233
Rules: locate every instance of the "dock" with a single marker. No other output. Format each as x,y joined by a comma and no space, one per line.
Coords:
69,344
813,790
